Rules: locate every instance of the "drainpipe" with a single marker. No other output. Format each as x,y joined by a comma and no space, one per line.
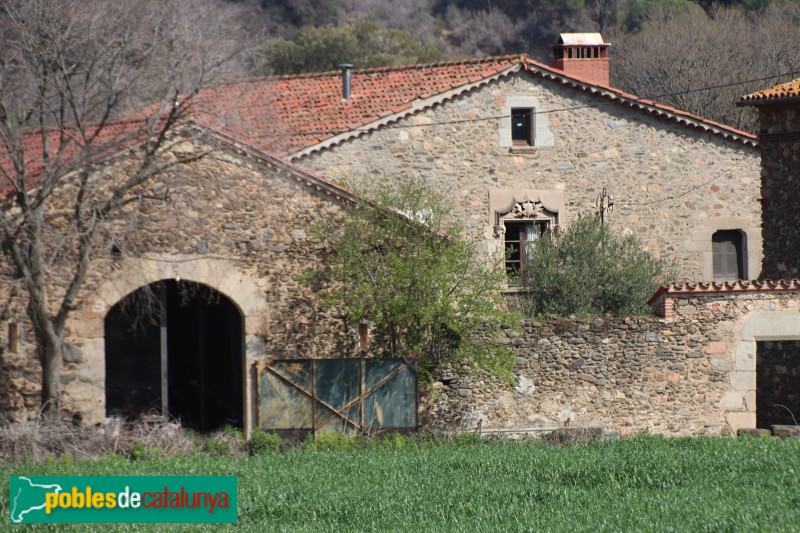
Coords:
345,67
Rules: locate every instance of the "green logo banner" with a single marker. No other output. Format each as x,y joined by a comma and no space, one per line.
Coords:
123,499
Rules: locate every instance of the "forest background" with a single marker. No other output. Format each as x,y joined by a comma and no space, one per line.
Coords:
700,56
667,50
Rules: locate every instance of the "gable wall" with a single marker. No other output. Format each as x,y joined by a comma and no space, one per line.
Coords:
641,160
232,225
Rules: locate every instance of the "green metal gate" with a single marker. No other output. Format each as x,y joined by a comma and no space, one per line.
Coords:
302,396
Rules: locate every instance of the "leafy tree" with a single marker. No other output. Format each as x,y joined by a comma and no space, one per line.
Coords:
587,268
364,44
423,287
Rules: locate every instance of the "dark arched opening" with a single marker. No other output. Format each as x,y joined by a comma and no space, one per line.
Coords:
176,346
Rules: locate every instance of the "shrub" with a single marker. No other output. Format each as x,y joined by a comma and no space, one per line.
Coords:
587,268
261,442
330,440
398,441
400,265
140,452
217,446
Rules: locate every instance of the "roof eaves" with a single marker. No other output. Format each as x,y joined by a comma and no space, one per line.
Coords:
410,109
760,100
725,287
300,175
661,110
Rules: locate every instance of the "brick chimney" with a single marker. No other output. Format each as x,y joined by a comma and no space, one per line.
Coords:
583,56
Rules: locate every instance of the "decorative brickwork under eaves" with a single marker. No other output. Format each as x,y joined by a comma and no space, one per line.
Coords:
661,301
781,92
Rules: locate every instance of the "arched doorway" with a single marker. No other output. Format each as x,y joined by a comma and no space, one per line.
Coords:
176,346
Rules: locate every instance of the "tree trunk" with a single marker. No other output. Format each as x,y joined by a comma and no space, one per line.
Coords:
51,380
50,343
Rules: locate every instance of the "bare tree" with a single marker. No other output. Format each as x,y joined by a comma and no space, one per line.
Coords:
69,70
698,62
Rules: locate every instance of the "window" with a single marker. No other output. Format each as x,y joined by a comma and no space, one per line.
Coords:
727,247
522,127
520,237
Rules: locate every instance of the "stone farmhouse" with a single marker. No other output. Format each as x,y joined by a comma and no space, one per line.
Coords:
228,250
719,358
517,145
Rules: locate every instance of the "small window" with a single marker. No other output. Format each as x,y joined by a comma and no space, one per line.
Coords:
522,126
728,251
519,238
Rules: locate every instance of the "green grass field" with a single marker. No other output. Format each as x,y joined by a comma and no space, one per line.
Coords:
646,483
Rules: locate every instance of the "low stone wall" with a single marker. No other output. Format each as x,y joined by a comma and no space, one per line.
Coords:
690,371
626,375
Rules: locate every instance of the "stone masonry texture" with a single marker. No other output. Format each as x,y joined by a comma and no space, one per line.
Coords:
780,173
673,186
686,376
244,229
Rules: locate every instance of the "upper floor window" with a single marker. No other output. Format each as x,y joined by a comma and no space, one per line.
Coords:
520,238
519,219
522,126
728,249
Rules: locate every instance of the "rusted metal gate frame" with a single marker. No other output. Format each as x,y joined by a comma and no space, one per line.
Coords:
264,366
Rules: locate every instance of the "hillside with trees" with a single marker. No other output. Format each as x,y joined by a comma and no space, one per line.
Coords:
668,50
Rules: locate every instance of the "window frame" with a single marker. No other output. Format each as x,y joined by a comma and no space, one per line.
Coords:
520,241
526,114
728,246
539,134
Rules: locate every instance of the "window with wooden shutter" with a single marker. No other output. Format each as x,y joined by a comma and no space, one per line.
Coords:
728,251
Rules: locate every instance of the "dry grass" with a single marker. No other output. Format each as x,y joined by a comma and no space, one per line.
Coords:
37,441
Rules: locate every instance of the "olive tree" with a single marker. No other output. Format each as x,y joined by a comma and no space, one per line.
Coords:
587,268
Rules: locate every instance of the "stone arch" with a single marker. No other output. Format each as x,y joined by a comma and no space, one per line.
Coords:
86,327
220,275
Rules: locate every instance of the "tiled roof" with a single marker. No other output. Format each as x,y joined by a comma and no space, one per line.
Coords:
782,91
714,287
113,137
283,115
296,115
119,133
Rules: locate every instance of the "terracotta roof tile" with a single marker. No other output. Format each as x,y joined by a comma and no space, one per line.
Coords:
293,115
779,92
113,137
286,115
715,287
282,115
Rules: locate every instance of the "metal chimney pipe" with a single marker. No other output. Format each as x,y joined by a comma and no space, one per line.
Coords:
346,80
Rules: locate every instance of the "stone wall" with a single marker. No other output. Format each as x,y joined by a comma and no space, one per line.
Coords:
780,173
243,227
673,185
690,375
